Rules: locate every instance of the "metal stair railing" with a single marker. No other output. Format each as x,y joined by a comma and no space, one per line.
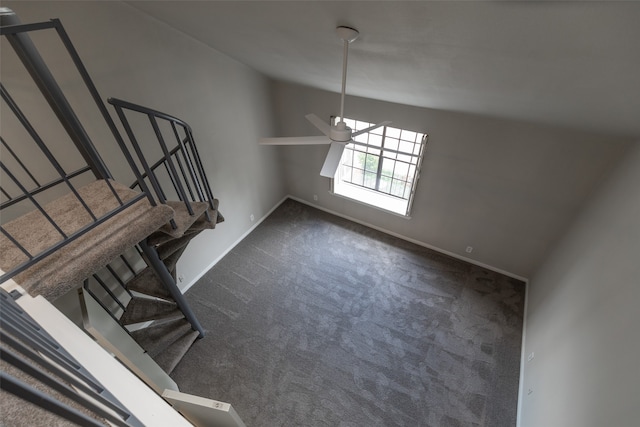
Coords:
181,162
20,182
28,348
180,158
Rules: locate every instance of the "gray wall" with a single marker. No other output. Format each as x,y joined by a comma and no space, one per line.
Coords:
506,188
139,59
583,315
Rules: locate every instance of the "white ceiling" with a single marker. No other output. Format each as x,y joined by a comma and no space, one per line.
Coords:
573,64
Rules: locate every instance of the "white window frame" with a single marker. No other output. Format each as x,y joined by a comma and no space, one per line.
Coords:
379,144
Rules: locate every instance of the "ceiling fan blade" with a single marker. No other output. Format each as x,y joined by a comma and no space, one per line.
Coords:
295,140
332,161
369,129
320,124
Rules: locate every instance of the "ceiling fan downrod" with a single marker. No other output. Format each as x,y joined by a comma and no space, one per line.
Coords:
338,135
347,34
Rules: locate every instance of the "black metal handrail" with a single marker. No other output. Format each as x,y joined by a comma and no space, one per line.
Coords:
21,182
28,348
182,162
180,157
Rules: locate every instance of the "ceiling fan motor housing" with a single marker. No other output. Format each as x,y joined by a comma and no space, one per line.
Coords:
340,132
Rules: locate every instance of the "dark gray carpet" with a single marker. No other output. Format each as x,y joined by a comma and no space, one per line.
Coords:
313,320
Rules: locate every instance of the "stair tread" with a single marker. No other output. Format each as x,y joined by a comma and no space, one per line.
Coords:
156,338
201,223
147,282
143,310
61,271
172,261
168,248
171,356
182,218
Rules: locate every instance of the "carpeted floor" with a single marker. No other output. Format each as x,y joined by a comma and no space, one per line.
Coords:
313,320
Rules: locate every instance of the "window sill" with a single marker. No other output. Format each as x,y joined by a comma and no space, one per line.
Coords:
359,195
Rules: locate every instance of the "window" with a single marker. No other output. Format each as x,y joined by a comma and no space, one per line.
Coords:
381,167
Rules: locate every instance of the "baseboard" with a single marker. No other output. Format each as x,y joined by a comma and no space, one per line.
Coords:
409,239
233,245
523,357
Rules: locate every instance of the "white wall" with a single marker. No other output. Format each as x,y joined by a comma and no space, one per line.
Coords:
505,188
583,317
139,59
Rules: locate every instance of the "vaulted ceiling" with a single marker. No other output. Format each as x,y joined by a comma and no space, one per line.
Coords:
574,64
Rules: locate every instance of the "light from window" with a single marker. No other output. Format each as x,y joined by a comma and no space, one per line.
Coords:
381,167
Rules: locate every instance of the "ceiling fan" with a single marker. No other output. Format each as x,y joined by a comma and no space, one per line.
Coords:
338,135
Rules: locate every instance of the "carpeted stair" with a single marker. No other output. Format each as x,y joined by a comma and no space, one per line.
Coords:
142,309
167,334
61,271
170,357
148,283
166,341
156,340
73,240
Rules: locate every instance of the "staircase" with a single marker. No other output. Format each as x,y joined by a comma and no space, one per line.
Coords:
169,326
168,334
151,315
120,243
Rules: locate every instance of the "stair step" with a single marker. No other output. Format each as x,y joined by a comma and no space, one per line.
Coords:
170,247
144,310
219,217
61,271
172,260
202,223
182,218
170,357
149,283
156,338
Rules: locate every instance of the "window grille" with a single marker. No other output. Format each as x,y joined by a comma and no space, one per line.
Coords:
381,167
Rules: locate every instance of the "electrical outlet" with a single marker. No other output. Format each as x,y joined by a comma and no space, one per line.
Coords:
469,249
530,391
315,197
251,217
531,356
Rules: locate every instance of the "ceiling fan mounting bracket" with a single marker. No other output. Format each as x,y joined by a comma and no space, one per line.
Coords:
347,34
